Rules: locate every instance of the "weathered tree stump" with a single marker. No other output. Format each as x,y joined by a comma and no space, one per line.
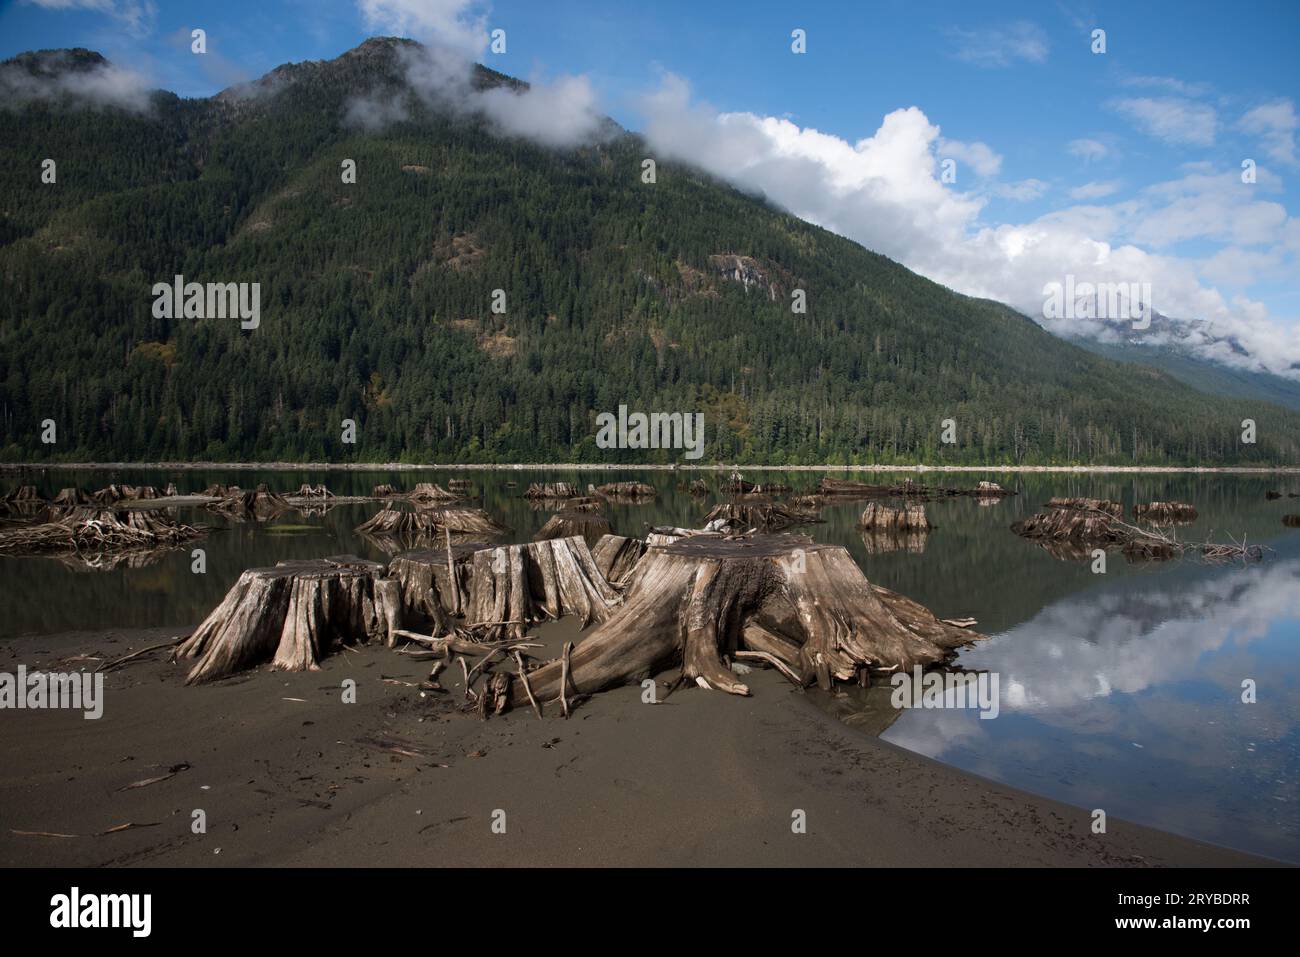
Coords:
74,497
400,528
259,505
590,525
428,593
910,518
760,516
383,491
616,556
461,486
1165,513
805,608
290,615
91,530
552,490
514,586
431,492
634,490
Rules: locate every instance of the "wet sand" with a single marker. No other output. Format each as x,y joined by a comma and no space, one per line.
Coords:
397,779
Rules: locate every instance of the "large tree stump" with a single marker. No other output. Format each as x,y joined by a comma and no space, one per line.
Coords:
290,615
761,516
804,607
879,517
616,556
428,592
514,586
395,530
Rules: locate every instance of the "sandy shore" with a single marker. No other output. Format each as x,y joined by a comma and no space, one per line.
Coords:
395,779
589,467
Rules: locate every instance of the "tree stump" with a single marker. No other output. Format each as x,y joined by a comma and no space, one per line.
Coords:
1165,513
431,492
291,615
878,517
514,586
764,516
552,490
428,592
633,490
616,556
592,526
395,529
804,607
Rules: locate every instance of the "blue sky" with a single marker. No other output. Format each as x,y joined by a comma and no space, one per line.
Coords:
1123,165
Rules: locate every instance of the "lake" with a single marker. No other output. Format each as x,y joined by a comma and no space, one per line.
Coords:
1121,691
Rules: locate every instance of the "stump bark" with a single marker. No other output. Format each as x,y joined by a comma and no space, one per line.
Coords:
805,607
514,586
291,615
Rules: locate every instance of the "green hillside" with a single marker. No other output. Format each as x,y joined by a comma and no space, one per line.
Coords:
375,305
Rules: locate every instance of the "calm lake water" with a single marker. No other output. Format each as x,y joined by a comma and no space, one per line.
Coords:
1120,691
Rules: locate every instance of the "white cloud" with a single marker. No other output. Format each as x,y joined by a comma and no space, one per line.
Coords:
1087,150
560,113
884,191
1001,46
101,84
457,24
977,155
1275,124
1021,192
1170,118
1094,190
137,16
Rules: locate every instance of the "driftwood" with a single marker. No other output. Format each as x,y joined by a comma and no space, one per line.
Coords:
879,517
590,525
552,490
1165,513
764,517
89,530
1115,509
909,489
291,615
704,597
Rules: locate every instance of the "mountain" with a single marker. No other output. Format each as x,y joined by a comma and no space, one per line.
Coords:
376,296
1178,347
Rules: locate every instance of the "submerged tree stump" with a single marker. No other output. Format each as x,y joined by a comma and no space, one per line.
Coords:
259,505
1115,509
412,528
290,615
805,608
910,518
552,490
1165,513
590,525
431,492
91,530
760,516
624,490
73,497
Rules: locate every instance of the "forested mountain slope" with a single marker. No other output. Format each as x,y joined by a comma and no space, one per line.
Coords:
376,296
